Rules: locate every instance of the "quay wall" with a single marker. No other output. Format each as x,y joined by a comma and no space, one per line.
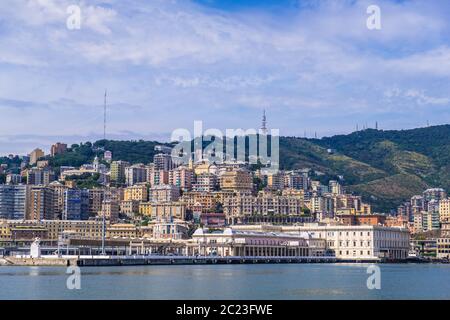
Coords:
48,262
164,260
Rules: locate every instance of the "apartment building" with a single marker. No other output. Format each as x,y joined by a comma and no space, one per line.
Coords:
137,192
135,174
164,193
14,201
239,180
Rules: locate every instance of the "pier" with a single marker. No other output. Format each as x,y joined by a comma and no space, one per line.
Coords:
185,260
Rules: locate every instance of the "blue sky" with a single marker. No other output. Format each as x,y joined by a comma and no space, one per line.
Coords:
313,65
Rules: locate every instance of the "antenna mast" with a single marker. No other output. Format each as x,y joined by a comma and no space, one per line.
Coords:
104,117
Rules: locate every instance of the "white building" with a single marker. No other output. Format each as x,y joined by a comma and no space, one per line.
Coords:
231,242
352,242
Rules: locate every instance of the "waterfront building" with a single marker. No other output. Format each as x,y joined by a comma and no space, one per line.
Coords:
350,242
361,242
122,230
28,233
232,242
425,247
88,229
14,201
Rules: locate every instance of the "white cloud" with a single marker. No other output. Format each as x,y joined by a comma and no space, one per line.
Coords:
177,60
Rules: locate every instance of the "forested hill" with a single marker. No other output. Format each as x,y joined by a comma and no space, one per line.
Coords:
399,163
386,167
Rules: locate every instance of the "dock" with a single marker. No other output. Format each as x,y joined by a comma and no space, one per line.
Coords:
183,260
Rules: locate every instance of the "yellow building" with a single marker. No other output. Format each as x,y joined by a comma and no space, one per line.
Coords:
129,207
207,200
35,155
118,171
110,209
293,193
137,192
122,230
236,180
88,229
166,210
444,210
145,208
205,167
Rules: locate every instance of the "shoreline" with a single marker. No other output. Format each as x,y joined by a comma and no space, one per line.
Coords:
118,261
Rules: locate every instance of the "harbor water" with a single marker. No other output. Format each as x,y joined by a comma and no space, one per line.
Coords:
260,281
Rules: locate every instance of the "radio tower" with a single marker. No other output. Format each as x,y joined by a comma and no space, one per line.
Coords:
264,123
104,117
103,213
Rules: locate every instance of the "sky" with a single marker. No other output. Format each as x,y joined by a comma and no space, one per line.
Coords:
314,66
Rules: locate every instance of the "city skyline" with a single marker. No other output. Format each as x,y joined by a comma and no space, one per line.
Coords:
166,64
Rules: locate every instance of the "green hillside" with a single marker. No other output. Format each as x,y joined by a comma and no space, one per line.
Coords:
386,167
412,159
